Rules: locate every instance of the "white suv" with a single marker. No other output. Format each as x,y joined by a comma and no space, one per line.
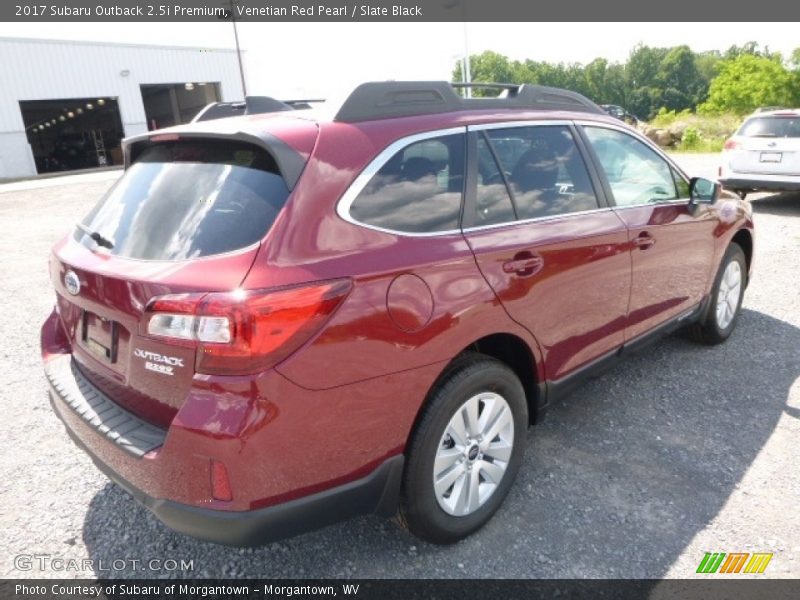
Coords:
764,154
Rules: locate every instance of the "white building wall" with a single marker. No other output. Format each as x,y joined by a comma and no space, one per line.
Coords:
49,70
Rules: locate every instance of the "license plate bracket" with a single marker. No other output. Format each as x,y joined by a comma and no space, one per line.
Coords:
771,157
100,336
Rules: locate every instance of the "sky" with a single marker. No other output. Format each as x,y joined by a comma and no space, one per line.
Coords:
328,59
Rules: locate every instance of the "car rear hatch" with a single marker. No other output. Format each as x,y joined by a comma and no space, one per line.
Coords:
768,145
186,219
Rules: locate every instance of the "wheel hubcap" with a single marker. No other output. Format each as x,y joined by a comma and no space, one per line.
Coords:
730,288
473,454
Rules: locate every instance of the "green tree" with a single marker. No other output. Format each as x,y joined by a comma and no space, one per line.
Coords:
749,81
643,65
751,48
491,67
794,61
707,64
678,76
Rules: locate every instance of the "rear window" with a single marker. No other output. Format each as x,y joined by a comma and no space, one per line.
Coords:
771,127
188,199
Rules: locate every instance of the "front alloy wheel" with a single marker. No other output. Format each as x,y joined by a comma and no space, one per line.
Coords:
729,294
726,299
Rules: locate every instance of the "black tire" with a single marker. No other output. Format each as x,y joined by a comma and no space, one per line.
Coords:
709,331
420,511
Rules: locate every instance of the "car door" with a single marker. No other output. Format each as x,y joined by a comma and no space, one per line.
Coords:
672,243
555,255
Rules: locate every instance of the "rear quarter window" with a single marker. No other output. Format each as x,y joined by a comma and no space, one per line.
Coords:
189,199
418,190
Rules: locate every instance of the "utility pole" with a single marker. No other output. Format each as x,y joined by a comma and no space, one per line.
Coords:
232,3
467,73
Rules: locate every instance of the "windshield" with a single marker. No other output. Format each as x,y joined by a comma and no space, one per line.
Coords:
188,199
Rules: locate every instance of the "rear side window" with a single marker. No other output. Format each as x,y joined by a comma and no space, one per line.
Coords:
418,190
188,199
493,203
544,170
771,127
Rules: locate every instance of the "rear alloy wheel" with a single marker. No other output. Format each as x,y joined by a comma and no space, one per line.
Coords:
473,454
465,451
726,299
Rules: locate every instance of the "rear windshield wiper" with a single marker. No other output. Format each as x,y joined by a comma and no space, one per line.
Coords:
98,239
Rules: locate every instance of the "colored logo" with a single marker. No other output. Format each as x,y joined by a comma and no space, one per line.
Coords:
734,562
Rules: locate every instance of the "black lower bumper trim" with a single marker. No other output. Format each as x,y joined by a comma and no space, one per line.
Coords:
100,412
758,184
378,492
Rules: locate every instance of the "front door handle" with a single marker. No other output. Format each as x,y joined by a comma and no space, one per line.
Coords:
644,241
524,264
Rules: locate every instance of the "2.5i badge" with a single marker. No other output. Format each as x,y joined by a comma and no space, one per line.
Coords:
159,363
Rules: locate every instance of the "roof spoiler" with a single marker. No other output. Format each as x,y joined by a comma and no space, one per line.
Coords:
387,99
251,105
290,162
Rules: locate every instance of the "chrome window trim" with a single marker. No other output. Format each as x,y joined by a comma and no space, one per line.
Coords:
375,165
650,144
536,219
652,204
360,182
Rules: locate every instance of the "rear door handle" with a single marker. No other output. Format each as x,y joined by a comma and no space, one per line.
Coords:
644,241
524,264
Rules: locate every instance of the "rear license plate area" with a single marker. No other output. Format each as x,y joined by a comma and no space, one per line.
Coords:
100,336
771,157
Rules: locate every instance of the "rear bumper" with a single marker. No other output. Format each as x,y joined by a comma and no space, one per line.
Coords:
129,451
376,493
771,183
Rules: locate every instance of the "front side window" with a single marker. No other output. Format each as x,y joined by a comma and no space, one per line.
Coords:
544,170
636,173
418,190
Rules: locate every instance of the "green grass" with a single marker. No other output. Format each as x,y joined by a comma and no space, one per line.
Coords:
703,133
703,146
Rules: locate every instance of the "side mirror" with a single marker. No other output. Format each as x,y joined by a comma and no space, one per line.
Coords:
703,191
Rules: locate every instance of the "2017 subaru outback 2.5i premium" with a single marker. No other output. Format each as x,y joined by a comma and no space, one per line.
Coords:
274,322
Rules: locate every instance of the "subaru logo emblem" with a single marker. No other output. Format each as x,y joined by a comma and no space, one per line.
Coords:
72,283
772,144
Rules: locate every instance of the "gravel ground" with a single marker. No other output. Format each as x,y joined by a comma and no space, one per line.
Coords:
679,450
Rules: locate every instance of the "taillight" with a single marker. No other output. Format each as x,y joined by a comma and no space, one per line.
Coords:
732,144
244,331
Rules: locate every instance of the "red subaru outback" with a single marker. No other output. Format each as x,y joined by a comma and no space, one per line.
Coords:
274,322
